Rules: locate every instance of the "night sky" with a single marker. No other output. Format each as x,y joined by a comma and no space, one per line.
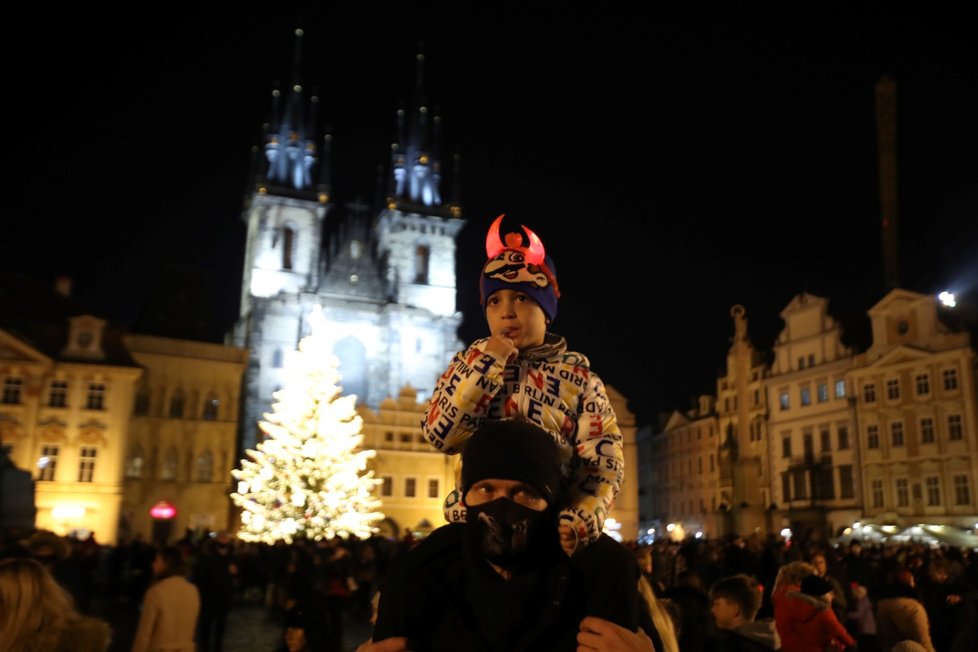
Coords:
675,159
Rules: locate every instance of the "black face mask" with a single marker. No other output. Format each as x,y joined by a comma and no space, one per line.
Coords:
510,535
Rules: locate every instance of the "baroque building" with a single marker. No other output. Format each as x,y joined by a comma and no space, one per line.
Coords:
182,436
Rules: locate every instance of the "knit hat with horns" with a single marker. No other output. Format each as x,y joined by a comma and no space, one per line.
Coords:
513,266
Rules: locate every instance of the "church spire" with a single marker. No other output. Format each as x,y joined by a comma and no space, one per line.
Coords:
291,150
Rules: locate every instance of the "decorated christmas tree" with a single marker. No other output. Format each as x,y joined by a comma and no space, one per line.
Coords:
309,478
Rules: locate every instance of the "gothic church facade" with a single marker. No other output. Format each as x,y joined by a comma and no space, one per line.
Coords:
385,277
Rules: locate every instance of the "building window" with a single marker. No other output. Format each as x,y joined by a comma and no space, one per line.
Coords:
387,486
699,465
12,387
843,438
389,437
950,379
96,397
826,437
58,393
47,462
786,447
869,393
405,438
896,433
176,404
421,255
433,488
134,465
784,401
141,404
277,359
169,470
876,490
872,437
410,487
801,362
962,490
211,405
933,490
893,389
809,445
786,486
757,397
86,464
811,359
902,492
205,467
927,430
806,396
955,431
840,389
711,463
846,486
823,392
801,491
923,384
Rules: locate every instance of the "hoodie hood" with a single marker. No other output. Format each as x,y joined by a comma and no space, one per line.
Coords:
761,632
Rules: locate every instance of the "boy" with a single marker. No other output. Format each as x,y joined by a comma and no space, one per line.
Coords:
736,601
522,371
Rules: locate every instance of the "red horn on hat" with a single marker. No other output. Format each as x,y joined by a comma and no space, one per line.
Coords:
535,253
494,244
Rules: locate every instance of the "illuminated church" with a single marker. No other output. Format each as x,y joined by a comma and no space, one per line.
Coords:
384,275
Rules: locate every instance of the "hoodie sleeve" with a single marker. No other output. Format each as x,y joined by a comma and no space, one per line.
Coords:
461,398
597,467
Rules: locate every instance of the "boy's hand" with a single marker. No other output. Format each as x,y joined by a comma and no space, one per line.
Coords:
502,347
568,539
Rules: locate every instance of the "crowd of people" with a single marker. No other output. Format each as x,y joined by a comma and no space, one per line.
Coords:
735,593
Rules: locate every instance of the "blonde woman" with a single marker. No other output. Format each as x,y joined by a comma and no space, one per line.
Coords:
37,615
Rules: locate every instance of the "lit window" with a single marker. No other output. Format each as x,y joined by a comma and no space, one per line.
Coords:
205,467
47,463
806,396
784,400
840,389
823,393
135,463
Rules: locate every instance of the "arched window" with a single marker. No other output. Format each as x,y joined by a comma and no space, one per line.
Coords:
205,466
141,404
135,463
211,406
177,401
169,469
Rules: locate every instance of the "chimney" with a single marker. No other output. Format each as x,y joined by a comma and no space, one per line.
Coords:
62,285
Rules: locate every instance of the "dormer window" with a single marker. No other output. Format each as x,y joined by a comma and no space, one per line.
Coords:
85,337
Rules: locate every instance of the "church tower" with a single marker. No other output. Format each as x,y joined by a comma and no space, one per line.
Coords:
386,282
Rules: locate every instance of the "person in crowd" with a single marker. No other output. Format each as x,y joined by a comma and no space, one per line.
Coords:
693,603
950,604
37,615
840,604
500,581
861,619
735,603
524,370
168,620
900,616
805,620
214,575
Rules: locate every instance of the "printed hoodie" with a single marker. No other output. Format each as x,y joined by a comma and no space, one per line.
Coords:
555,389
